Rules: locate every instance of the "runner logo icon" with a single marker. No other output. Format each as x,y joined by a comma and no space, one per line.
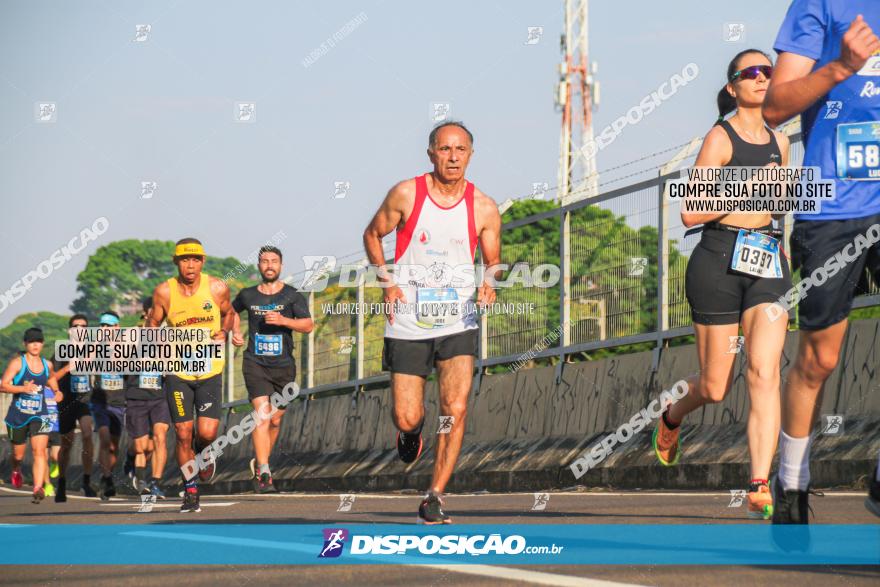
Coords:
334,540
832,109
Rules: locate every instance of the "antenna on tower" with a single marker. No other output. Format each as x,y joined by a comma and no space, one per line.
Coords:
576,96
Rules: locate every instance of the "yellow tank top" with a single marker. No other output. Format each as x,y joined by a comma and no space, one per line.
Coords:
196,311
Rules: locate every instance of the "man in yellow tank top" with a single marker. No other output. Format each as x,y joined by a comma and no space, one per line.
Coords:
193,300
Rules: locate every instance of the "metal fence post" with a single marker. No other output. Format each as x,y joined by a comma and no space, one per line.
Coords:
663,262
310,356
565,279
361,300
484,318
662,273
564,326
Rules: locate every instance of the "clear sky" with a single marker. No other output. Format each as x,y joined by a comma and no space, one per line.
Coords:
164,110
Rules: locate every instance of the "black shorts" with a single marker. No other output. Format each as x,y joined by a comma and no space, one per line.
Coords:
54,439
69,413
187,399
142,414
264,381
717,294
20,435
418,357
110,417
813,244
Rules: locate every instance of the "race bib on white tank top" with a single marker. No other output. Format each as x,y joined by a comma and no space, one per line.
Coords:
434,268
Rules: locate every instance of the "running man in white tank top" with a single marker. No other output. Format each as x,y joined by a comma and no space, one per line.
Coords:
440,218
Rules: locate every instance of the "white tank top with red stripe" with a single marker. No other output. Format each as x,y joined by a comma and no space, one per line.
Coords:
434,267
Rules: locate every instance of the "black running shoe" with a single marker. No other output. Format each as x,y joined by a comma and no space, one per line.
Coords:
128,469
206,474
89,491
190,501
265,484
108,490
791,506
872,502
431,511
60,490
409,445
39,495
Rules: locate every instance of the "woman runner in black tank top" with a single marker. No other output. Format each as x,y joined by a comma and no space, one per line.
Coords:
733,276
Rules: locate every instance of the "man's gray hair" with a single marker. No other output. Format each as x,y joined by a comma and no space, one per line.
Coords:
432,138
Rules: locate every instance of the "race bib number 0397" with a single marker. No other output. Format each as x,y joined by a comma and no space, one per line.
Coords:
756,254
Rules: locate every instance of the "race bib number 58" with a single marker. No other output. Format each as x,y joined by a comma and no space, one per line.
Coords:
858,151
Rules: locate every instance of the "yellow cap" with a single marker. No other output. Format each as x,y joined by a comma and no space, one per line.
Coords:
189,249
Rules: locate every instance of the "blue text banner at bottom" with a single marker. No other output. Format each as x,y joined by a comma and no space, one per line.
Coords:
570,544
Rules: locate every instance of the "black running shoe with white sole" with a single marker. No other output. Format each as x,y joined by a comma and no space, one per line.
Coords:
431,511
409,445
872,502
190,501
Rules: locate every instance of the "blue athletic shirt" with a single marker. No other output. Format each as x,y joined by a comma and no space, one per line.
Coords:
814,29
29,406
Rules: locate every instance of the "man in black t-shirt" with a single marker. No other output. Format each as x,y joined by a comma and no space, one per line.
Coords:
77,390
274,310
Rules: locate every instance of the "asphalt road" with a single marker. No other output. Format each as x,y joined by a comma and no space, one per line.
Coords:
515,509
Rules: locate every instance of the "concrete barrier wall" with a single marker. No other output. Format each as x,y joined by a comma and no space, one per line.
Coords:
525,428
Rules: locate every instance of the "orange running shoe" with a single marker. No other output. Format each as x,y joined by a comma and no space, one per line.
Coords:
666,443
760,502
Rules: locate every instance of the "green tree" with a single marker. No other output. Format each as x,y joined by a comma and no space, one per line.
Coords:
54,328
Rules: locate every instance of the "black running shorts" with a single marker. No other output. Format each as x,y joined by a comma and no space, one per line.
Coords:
69,413
194,398
263,380
20,435
813,244
418,357
717,294
110,417
142,414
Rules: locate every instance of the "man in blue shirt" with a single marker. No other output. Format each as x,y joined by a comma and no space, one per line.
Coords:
829,72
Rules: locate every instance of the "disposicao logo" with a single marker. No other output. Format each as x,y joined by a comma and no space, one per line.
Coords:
334,541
